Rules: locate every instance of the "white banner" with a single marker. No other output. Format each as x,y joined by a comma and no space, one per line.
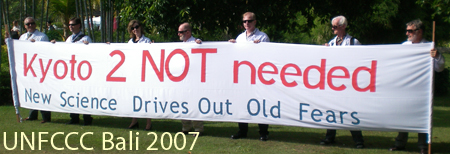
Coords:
382,87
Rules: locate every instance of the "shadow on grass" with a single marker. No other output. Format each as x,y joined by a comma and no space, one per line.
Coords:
373,140
440,118
441,101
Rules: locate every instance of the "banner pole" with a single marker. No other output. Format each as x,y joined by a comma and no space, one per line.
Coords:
434,30
434,46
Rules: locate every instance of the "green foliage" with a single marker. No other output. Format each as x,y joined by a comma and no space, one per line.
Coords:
321,33
441,8
283,20
5,79
291,21
57,35
383,11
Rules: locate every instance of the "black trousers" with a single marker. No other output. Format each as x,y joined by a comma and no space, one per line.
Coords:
76,117
263,129
46,115
402,139
357,136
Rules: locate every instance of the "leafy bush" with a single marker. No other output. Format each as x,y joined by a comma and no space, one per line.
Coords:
5,79
55,35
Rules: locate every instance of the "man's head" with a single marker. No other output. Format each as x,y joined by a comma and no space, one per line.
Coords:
414,31
184,31
49,23
15,23
75,25
249,21
30,25
338,25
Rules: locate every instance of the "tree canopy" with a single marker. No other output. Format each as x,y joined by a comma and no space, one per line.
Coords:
293,21
290,21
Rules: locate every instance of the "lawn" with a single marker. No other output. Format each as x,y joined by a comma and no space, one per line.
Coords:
283,139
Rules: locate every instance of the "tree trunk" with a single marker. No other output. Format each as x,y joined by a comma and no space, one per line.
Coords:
46,18
20,20
80,14
6,11
87,19
92,22
76,8
1,15
42,16
1,42
111,22
118,27
107,23
102,20
33,9
26,10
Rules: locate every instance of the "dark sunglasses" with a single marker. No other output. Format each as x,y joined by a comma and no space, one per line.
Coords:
135,27
29,24
411,30
247,21
72,24
181,32
334,27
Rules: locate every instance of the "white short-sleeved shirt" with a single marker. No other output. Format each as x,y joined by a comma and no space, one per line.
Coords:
74,36
255,35
143,39
36,35
191,40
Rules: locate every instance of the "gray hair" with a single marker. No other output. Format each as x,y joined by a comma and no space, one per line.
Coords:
187,26
29,18
342,20
417,24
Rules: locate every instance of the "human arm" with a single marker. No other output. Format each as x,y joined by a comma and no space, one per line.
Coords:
438,59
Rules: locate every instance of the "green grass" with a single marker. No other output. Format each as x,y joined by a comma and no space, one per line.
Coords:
283,139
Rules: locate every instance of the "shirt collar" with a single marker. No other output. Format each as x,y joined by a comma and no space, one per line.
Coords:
32,32
190,39
77,33
252,33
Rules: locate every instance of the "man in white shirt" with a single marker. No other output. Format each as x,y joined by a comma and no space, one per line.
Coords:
338,25
32,34
414,31
77,37
185,34
251,34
